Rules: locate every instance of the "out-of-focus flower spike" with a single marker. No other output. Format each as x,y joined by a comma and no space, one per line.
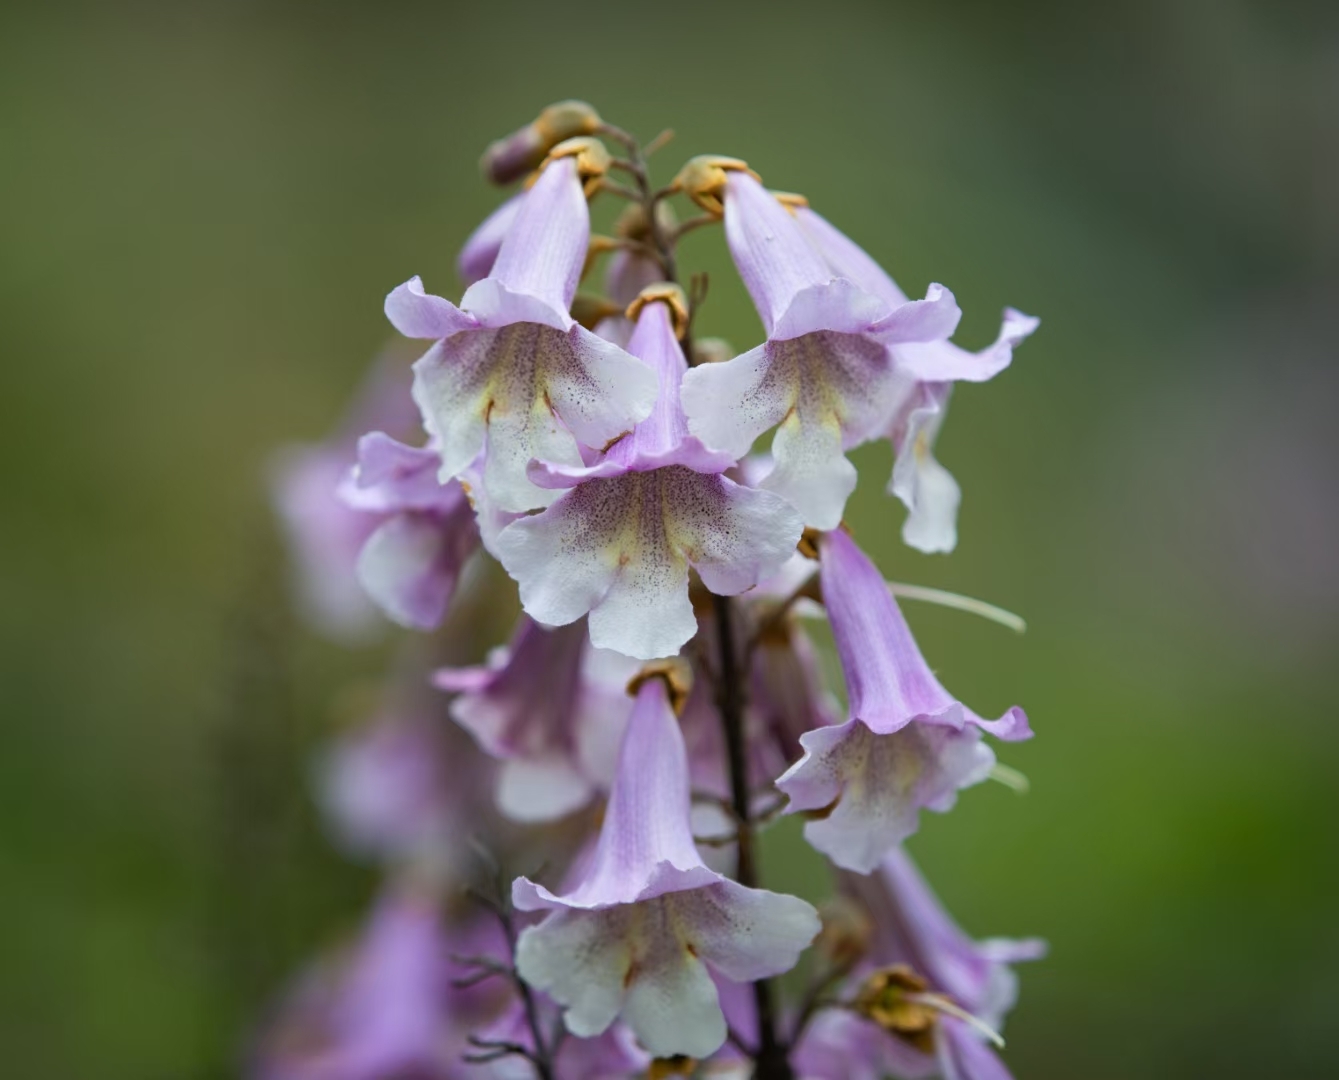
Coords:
908,743
635,936
511,157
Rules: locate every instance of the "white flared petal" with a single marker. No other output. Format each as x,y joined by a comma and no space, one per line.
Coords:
672,1004
942,361
598,389
519,431
580,959
646,613
419,314
450,389
930,320
932,525
734,536
879,784
811,472
749,934
566,558
729,405
529,386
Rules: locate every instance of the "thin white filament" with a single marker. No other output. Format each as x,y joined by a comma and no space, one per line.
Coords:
944,1005
1010,778
961,603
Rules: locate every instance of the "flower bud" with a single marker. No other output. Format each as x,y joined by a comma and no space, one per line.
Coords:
702,179
513,156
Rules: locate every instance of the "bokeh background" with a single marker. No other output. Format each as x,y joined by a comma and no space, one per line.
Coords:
201,207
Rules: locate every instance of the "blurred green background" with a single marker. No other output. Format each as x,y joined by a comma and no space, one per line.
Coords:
201,207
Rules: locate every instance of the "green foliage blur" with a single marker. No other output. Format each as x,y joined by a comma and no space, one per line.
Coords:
201,208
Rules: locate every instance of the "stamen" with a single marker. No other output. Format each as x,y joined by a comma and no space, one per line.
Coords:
1010,778
944,1005
969,604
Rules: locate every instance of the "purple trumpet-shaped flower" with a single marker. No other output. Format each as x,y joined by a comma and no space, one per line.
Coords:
908,744
620,542
511,373
410,564
911,928
552,710
824,374
635,936
479,253
926,369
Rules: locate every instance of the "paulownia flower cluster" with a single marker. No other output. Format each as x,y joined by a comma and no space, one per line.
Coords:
568,829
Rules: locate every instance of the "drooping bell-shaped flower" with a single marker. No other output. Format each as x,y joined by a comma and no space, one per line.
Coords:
410,564
824,374
619,543
952,988
635,937
511,374
907,745
479,253
926,369
552,709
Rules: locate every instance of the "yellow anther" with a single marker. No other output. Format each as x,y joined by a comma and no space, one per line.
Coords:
669,294
891,998
703,179
808,545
